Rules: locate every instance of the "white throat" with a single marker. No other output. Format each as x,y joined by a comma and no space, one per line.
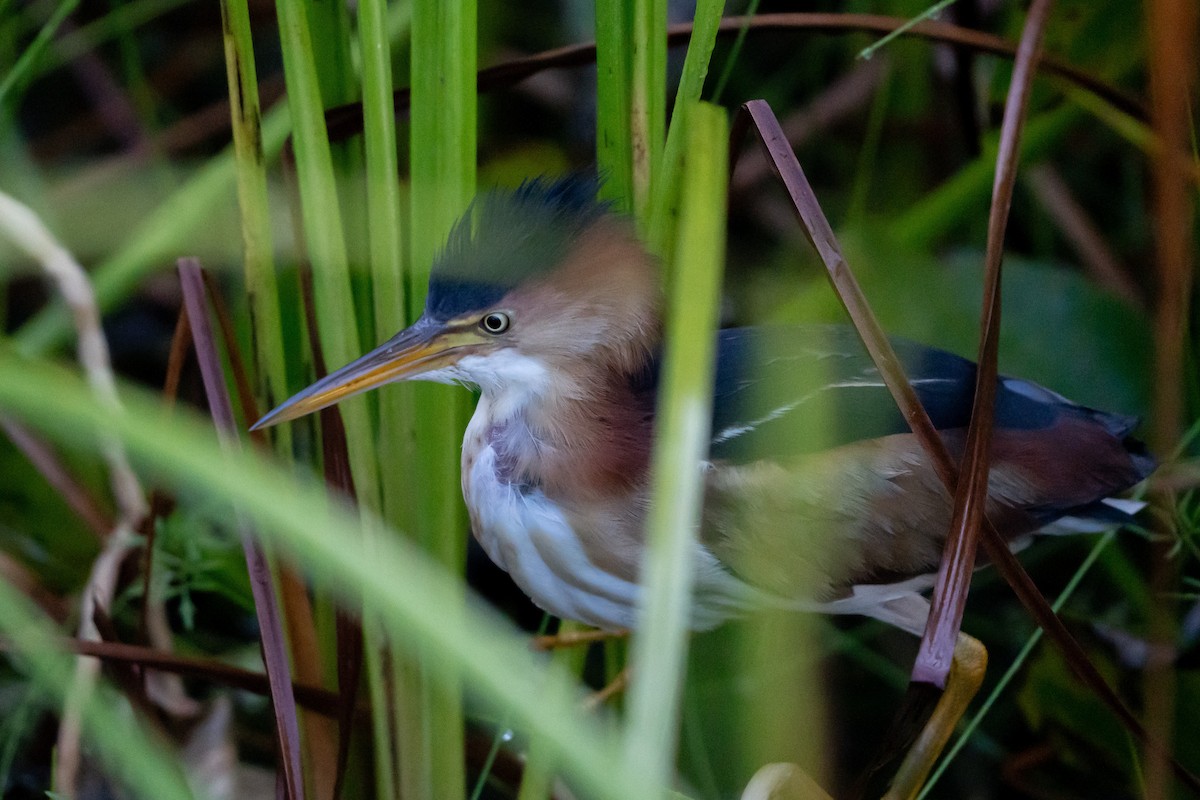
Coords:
507,379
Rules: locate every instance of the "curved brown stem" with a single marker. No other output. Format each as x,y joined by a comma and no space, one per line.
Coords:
346,121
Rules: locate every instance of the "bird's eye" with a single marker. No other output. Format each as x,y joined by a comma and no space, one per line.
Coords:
495,323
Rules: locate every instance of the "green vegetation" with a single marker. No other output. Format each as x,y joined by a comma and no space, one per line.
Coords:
265,140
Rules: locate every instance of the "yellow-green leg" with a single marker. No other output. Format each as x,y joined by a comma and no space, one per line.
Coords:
614,688
966,676
575,638
583,638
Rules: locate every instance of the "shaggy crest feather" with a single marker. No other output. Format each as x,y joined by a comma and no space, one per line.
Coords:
507,237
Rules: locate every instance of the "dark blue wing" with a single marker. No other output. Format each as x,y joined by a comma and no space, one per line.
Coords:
789,390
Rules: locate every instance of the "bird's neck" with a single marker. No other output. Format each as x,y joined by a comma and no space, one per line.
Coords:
567,436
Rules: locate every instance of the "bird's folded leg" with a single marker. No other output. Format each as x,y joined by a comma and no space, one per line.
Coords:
966,676
614,687
783,782
575,638
572,636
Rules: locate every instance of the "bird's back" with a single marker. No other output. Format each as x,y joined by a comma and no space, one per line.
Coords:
817,486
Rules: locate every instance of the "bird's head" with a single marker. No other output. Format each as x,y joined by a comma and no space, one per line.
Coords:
539,284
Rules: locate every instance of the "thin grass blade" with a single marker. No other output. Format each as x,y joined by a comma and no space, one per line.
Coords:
237,365
471,642
270,620
257,240
820,234
390,293
949,598
335,463
26,66
647,99
614,137
320,213
316,64
135,759
442,156
296,605
1172,27
537,778
664,205
684,419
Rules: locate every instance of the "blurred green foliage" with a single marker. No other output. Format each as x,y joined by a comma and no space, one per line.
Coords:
901,161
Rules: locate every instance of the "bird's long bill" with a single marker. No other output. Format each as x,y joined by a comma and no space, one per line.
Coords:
425,346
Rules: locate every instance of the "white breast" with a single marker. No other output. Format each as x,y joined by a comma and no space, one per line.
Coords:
530,538
535,540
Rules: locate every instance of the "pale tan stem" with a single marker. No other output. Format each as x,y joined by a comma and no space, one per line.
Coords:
783,782
25,229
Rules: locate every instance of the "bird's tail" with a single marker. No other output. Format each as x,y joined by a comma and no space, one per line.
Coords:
1103,515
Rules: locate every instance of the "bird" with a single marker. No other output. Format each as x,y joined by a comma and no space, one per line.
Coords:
817,496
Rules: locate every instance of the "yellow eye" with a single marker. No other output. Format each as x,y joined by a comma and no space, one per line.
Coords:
495,323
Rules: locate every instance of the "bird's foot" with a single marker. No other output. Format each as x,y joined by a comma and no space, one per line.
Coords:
615,687
575,638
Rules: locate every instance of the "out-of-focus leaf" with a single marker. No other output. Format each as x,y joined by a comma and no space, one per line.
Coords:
38,528
1059,329
199,557
1061,710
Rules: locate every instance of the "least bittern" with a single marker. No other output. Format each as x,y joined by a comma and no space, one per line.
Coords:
817,496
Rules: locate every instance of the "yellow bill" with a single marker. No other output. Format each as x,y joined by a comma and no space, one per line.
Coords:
426,346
